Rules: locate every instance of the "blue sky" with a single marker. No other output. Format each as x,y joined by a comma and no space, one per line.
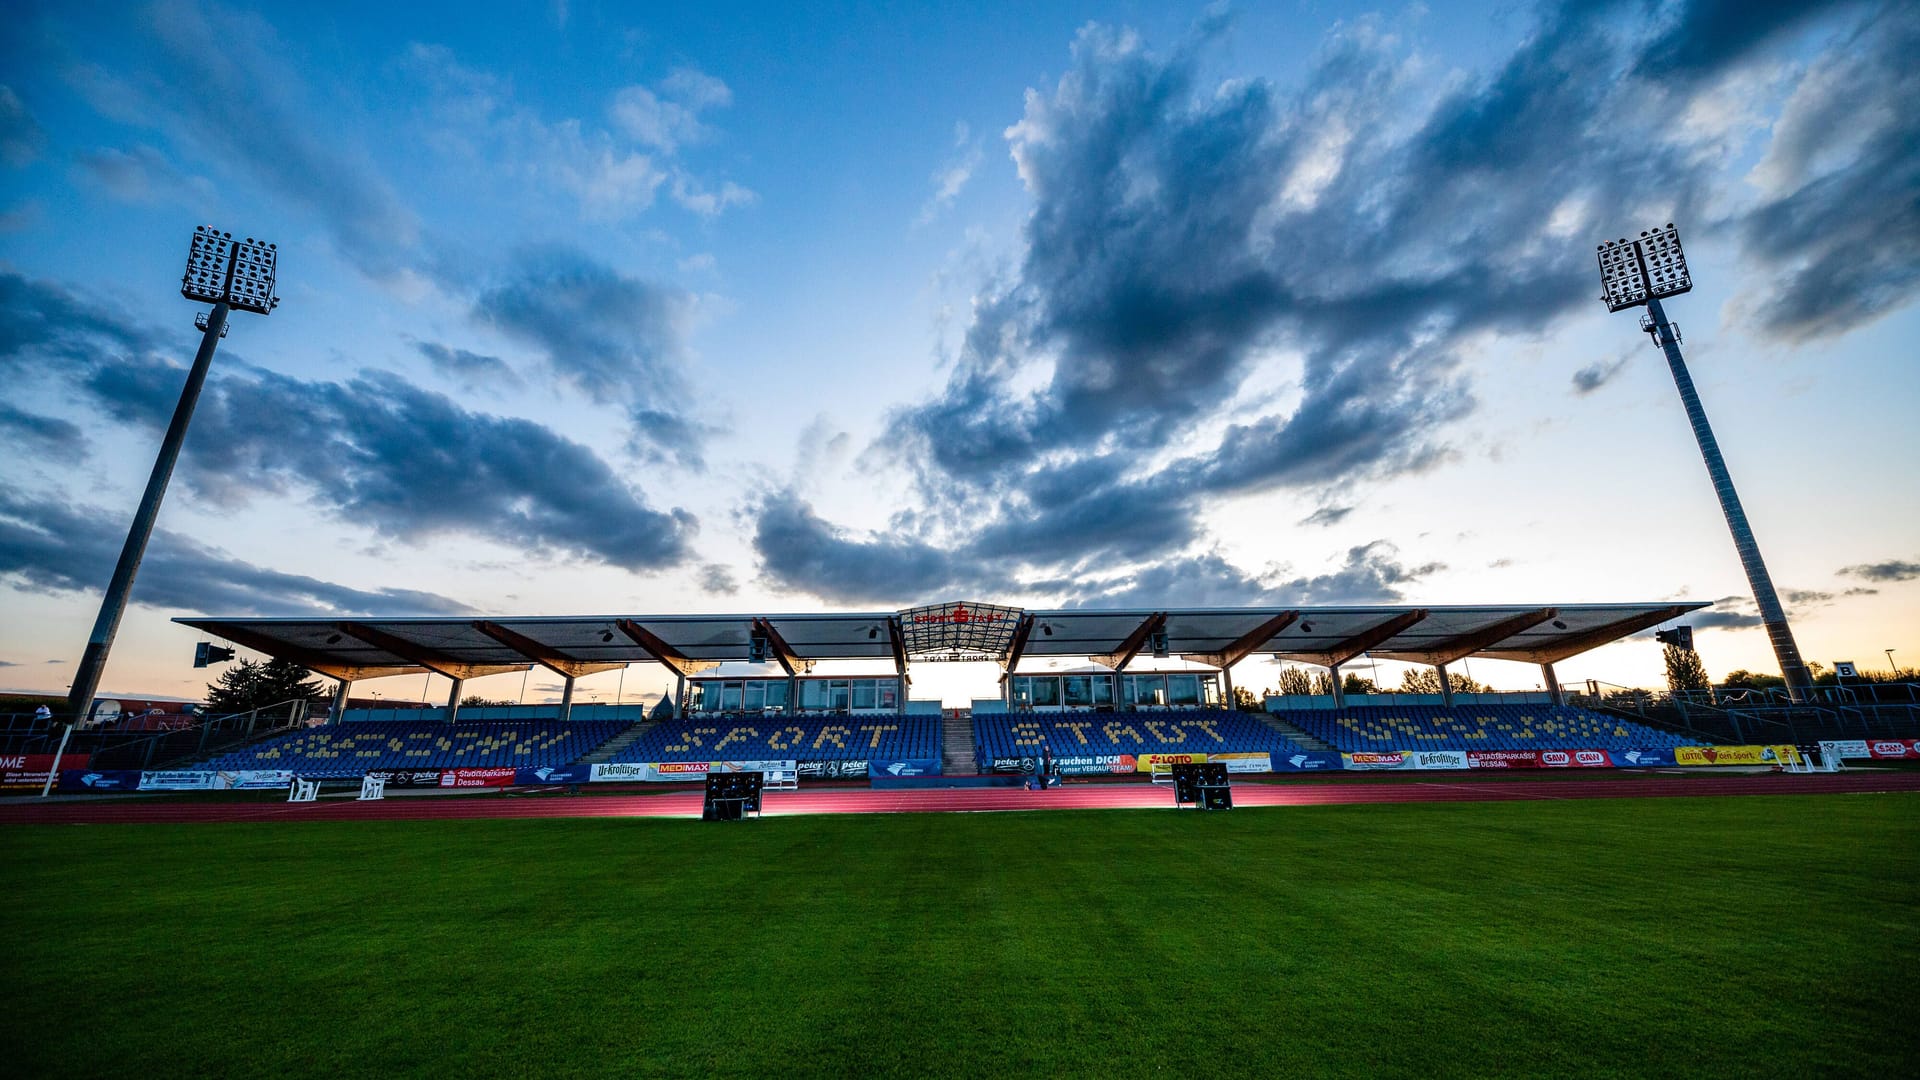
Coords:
739,308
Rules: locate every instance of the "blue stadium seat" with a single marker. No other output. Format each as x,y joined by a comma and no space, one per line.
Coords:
1169,731
863,737
1477,727
337,751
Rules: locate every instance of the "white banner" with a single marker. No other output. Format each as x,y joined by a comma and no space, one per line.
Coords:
695,772
176,781
1244,763
253,779
1846,748
1440,759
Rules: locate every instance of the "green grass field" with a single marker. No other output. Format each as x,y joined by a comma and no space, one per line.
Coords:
1748,936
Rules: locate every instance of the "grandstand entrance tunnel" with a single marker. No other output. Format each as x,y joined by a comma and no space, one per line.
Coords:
1101,690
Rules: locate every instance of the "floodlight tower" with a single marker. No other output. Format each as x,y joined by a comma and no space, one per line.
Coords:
226,273
1645,271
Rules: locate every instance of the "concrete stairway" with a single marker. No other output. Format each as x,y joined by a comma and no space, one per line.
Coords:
956,745
1279,723
618,743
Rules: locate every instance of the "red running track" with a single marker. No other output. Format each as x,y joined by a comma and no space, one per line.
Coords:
937,800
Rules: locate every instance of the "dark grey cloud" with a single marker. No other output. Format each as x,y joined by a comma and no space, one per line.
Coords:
139,174
617,339
1596,375
1839,240
470,367
21,137
49,436
1702,37
1727,613
718,579
1806,597
401,460
1370,573
796,545
52,546
1889,571
1184,231
1327,515
8,663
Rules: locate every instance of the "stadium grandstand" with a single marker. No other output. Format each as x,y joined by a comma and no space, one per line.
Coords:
771,703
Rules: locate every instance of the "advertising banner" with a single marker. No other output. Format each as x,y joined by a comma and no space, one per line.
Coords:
1376,759
1735,755
408,778
1439,759
834,770
1245,763
913,767
1846,748
653,772
472,778
1641,759
554,774
1894,749
1305,761
1146,762
99,780
1503,759
1094,764
1575,759
176,781
23,771
253,779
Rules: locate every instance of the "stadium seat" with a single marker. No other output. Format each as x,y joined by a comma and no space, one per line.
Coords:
344,750
1477,727
1169,731
861,737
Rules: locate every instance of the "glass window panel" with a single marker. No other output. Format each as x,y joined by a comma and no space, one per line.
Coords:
1078,690
756,696
815,694
864,694
890,693
1185,689
1046,691
696,696
729,697
776,695
1103,689
838,688
1022,690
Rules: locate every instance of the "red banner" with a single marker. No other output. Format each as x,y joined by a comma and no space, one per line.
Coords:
1894,748
477,777
30,770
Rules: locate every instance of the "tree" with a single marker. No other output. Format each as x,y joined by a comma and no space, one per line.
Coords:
1742,679
1354,684
1295,680
1244,700
479,702
1685,672
250,684
1425,680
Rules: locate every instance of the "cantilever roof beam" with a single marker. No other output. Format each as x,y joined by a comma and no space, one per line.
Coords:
897,638
790,662
1130,648
312,661
1462,645
1247,643
1018,646
1591,639
661,651
545,655
437,662
1343,651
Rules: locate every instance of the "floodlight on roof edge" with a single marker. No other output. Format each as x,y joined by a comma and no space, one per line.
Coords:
1644,271
226,273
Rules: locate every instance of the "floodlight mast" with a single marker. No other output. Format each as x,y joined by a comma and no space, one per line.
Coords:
226,273
1643,272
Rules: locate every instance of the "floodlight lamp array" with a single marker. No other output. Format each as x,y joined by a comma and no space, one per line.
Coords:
238,273
1648,268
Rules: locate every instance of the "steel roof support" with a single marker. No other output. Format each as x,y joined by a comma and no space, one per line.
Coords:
312,661
1465,645
1018,646
1249,643
1592,639
666,654
1130,648
1346,650
437,662
790,661
897,638
545,655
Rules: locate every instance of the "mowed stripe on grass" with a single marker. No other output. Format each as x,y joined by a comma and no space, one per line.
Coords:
1747,936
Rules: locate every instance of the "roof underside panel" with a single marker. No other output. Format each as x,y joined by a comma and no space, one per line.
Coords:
366,647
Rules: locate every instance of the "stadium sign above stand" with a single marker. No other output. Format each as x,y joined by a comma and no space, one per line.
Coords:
958,631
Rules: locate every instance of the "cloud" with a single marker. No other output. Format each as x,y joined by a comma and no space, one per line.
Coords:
50,436
952,176
401,460
1596,375
668,116
1327,515
1365,232
718,579
1839,225
1891,570
1727,613
617,339
245,106
52,546
797,545
21,137
466,366
142,174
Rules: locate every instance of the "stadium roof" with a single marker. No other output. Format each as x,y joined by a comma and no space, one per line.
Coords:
575,645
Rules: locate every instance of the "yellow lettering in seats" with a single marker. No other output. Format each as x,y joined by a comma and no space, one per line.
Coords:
835,732
1079,729
878,730
735,736
1115,729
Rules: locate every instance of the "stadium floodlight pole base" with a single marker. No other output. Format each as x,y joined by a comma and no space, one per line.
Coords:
1772,615
87,680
